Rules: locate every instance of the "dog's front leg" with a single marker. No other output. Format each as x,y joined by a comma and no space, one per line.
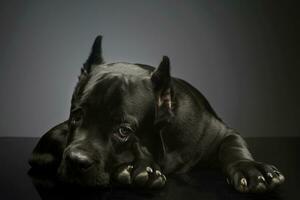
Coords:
243,172
48,152
142,172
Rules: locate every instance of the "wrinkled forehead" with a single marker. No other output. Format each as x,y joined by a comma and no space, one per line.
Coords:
116,94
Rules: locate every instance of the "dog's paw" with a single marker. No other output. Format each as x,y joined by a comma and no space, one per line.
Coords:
254,177
140,175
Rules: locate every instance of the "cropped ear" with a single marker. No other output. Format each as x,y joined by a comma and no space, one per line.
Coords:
161,81
95,57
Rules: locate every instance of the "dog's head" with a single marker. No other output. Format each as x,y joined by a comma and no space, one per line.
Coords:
113,107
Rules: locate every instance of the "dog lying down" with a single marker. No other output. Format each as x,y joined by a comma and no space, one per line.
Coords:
133,125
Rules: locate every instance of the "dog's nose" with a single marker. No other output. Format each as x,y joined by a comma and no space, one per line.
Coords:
79,160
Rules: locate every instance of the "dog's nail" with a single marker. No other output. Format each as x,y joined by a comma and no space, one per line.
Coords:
149,169
158,173
243,182
164,177
261,178
227,180
270,175
130,167
243,185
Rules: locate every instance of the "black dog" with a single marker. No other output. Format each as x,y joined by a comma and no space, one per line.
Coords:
131,123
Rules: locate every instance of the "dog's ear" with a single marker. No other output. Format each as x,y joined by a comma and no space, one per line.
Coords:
162,86
95,57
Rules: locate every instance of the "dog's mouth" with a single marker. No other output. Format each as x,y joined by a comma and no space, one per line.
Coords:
94,177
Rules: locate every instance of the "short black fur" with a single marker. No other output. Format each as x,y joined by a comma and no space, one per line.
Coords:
133,124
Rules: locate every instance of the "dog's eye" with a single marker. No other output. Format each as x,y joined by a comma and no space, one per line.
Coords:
123,133
76,118
75,121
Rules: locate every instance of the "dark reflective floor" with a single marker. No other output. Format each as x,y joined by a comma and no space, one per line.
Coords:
15,183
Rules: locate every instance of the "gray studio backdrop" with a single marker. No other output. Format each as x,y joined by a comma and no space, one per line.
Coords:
242,55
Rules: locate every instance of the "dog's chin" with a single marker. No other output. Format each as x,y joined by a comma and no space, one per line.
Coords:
94,178
87,181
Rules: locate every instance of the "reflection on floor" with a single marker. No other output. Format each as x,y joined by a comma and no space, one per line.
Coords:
204,184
